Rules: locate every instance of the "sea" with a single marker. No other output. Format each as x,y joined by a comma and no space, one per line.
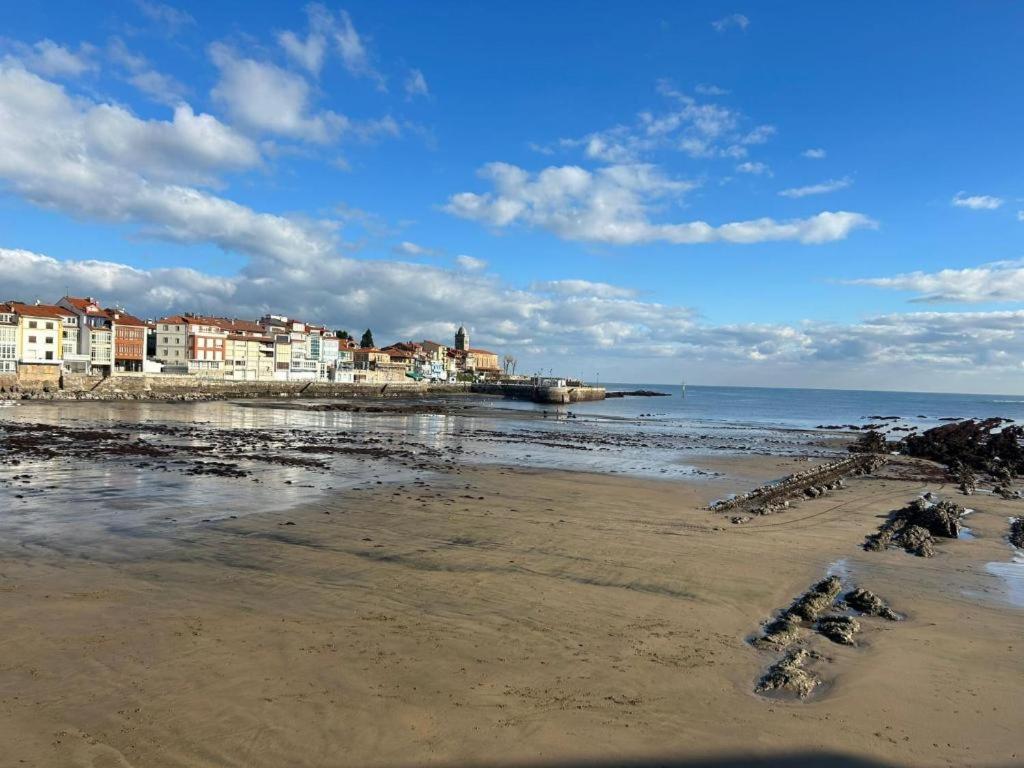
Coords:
789,408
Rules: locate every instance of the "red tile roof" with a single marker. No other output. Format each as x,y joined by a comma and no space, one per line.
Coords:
39,310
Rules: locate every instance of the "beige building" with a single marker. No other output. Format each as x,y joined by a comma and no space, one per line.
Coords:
248,358
39,339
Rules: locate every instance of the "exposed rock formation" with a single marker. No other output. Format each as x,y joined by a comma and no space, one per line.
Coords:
915,527
867,602
788,674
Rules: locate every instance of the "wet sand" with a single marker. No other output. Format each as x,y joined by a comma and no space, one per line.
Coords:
498,616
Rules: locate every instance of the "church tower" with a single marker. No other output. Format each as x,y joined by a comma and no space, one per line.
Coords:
462,339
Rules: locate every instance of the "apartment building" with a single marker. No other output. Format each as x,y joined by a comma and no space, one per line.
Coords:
170,342
129,341
8,339
205,345
95,333
39,333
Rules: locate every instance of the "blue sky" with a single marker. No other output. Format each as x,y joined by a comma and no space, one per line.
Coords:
654,191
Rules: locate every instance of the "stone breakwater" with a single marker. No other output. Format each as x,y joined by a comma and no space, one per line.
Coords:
812,482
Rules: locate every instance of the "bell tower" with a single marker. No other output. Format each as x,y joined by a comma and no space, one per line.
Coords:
462,339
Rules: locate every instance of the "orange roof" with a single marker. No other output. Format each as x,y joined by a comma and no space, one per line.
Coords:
173,319
39,310
82,303
482,352
123,318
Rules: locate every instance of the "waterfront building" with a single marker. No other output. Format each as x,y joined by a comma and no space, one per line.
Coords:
205,345
94,336
171,343
8,339
129,337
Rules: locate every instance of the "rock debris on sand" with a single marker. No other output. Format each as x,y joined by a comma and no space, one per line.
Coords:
789,675
867,602
818,599
915,527
838,629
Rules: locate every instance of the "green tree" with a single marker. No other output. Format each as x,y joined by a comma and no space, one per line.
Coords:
343,335
367,341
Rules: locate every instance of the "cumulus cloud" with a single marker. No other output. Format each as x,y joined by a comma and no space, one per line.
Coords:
416,84
995,282
470,263
612,205
815,153
823,188
263,97
46,57
559,318
732,21
976,202
99,161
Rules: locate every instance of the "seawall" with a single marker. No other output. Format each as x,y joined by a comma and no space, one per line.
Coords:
141,386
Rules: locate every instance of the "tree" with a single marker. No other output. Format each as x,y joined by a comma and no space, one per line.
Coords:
343,335
509,363
367,341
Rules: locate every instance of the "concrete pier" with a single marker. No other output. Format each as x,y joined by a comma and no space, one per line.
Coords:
554,395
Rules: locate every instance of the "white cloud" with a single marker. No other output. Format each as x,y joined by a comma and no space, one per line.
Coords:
159,87
585,288
832,185
1020,215
165,17
815,154
309,53
700,130
263,97
733,20
707,89
999,281
416,84
98,161
565,321
612,205
755,169
976,202
408,248
354,54
52,60
470,263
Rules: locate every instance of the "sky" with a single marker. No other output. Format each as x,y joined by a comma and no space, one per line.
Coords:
767,194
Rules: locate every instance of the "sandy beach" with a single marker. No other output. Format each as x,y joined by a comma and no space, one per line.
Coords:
494,615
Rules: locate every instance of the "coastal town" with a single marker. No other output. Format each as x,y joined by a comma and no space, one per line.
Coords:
79,336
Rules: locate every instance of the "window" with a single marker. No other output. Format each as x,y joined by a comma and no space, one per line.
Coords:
31,339
49,326
49,339
49,355
32,324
